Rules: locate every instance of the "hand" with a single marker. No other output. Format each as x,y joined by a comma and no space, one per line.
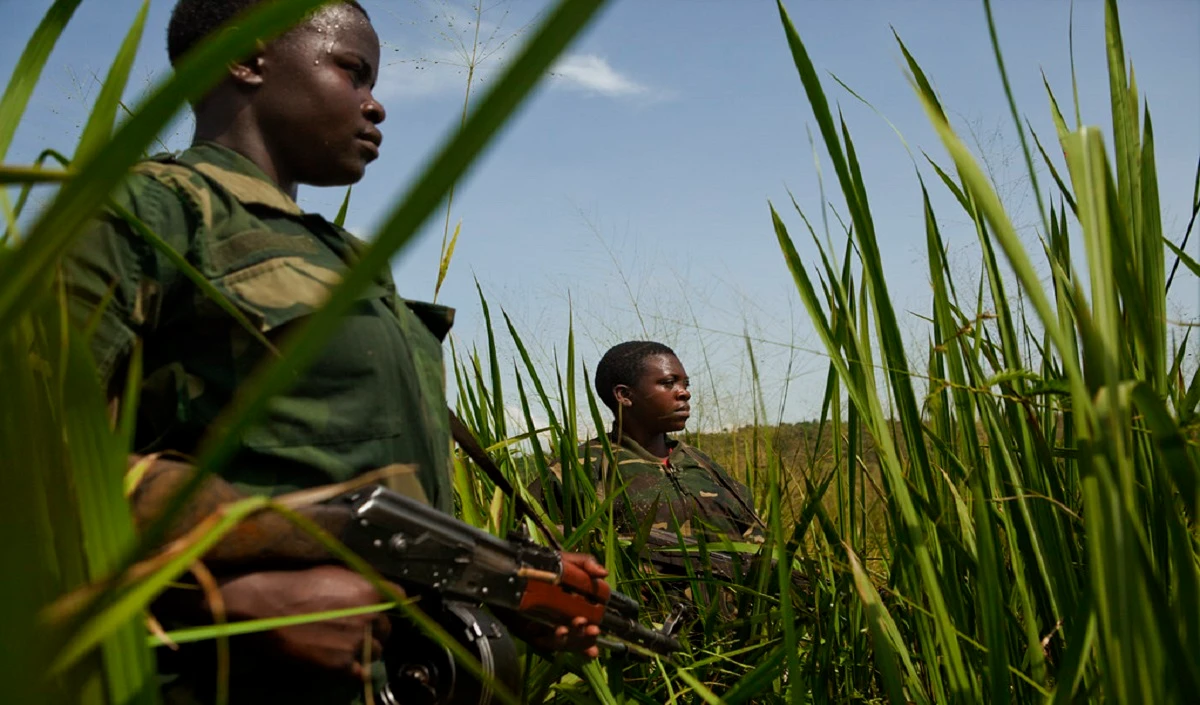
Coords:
579,636
335,645
587,562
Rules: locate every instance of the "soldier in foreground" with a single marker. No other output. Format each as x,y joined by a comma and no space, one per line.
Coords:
299,111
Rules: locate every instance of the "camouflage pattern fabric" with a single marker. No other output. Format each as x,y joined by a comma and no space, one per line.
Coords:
688,491
374,397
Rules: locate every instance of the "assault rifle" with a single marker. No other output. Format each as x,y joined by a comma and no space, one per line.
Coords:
415,545
430,552
454,568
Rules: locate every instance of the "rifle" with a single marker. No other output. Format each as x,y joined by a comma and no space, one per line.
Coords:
417,546
454,568
414,544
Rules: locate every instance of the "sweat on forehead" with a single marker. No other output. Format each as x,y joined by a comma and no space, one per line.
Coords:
194,20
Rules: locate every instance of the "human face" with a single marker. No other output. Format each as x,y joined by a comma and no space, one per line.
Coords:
660,399
314,104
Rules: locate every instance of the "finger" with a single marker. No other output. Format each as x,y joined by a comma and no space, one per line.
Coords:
557,641
586,561
589,563
592,652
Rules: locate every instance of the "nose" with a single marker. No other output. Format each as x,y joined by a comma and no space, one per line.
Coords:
685,394
373,111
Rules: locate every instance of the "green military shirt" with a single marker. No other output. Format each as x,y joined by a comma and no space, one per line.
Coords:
686,490
374,397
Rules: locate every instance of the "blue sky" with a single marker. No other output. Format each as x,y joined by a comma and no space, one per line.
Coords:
633,189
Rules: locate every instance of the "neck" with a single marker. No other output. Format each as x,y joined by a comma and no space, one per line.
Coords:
234,128
654,443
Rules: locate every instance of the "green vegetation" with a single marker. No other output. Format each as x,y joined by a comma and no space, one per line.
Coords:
1023,531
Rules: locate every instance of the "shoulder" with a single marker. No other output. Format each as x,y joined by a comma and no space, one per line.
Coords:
699,456
586,451
169,199
162,175
145,200
594,451
703,460
152,185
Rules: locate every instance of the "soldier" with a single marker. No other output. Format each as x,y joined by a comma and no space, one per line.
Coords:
646,387
298,111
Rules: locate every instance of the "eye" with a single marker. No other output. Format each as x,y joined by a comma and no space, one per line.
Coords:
360,73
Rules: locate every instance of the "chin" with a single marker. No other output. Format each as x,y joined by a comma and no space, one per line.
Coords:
349,176
339,175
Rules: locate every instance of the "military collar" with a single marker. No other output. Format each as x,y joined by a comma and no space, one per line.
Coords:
239,176
636,448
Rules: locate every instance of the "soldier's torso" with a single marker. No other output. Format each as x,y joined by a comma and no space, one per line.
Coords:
688,491
373,397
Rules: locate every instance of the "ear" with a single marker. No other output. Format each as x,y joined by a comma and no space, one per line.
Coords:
249,71
623,394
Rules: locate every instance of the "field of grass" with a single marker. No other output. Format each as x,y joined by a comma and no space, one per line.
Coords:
1020,529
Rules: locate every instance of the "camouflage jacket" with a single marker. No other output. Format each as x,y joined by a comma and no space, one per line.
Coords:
686,490
374,397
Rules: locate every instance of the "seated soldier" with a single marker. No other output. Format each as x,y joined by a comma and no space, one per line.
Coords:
645,386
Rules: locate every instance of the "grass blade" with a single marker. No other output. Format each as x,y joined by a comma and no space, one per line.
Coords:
29,67
100,123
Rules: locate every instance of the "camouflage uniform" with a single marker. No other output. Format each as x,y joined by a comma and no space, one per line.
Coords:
374,397
687,489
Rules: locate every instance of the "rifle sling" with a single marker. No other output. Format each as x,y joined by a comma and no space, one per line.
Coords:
466,440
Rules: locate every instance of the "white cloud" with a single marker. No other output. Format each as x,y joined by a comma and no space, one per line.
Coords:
593,73
427,46
442,71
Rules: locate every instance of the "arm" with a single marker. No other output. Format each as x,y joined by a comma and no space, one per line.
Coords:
116,282
266,568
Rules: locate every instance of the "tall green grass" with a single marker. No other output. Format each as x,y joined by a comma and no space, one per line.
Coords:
66,523
1036,538
1007,518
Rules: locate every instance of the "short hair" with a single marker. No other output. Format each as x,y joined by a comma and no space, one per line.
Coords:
194,20
623,364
